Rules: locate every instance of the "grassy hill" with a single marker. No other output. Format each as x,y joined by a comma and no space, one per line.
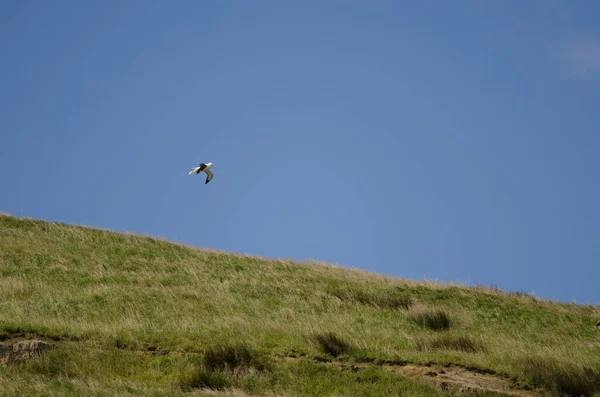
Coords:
131,315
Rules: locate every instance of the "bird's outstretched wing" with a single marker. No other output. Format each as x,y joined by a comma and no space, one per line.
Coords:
209,176
193,170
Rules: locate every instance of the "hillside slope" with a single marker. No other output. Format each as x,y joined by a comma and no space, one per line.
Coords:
131,315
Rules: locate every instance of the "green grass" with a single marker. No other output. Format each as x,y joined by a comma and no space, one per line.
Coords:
462,343
564,379
135,315
331,344
204,379
435,320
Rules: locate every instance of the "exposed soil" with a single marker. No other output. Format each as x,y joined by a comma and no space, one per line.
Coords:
15,335
455,379
154,350
22,350
460,380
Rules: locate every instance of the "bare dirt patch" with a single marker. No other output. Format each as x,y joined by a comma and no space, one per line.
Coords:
460,380
17,334
17,351
455,379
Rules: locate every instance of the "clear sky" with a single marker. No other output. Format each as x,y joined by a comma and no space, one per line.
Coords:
455,141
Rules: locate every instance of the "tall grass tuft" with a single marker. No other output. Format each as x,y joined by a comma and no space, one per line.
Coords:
221,364
436,320
332,344
521,294
392,299
203,379
227,358
562,379
448,342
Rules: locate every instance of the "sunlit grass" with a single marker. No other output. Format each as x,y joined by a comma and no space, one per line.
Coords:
138,315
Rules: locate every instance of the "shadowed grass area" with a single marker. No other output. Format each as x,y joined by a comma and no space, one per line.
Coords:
228,357
332,344
435,320
135,315
562,379
383,298
203,379
222,366
235,358
448,342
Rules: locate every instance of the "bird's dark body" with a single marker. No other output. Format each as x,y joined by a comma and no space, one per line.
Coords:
202,167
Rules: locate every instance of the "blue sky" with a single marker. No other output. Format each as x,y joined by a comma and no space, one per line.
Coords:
457,141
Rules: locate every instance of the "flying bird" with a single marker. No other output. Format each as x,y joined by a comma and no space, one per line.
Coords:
203,167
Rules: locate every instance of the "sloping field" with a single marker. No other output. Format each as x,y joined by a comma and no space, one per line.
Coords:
93,312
